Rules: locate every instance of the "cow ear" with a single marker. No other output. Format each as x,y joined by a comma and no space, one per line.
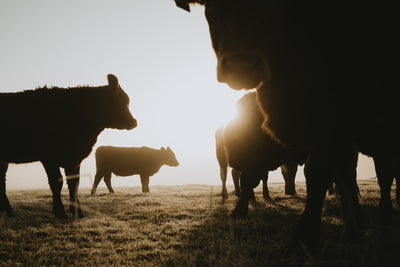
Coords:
113,82
162,149
169,149
184,4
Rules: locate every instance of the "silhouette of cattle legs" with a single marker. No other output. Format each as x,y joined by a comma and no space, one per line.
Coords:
223,170
247,183
107,181
56,183
4,203
144,179
73,184
318,172
289,170
236,181
385,172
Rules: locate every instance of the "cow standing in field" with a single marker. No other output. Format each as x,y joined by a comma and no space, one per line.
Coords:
288,171
326,76
253,153
127,161
58,127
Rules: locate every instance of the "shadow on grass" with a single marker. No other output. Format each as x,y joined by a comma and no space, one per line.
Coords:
264,238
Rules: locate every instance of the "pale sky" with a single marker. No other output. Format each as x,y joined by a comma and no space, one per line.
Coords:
163,59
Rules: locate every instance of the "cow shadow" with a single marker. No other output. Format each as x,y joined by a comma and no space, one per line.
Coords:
265,238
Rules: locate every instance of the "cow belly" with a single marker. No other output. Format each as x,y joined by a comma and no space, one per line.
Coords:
124,173
18,153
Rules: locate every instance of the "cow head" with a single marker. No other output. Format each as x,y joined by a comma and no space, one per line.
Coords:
117,107
169,157
235,30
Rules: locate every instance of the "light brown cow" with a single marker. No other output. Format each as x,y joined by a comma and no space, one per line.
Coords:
127,161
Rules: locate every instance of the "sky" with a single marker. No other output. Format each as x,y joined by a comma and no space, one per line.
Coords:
163,59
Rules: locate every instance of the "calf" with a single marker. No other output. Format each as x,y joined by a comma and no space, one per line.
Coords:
254,153
288,171
127,161
58,127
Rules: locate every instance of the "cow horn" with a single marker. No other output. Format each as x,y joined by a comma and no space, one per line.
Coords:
184,4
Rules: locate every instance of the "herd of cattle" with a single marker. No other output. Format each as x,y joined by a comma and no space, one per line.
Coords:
326,76
325,91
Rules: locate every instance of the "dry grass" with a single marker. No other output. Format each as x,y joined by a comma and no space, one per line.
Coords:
183,226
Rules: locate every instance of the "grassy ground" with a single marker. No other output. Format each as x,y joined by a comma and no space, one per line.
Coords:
184,226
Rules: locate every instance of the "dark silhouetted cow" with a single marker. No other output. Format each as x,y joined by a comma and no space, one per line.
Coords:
288,171
326,75
127,161
253,153
58,127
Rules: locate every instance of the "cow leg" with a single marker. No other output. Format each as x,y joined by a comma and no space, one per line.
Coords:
236,181
252,197
317,182
56,183
384,172
144,179
97,179
223,173
345,180
289,171
4,203
248,182
72,174
264,180
107,181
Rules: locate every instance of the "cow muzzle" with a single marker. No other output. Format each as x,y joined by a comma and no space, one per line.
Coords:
244,70
132,124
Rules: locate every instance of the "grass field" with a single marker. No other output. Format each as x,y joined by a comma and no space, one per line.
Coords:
185,226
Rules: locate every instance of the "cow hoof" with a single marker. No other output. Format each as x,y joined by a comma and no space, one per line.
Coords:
78,214
60,215
266,197
239,213
290,192
59,212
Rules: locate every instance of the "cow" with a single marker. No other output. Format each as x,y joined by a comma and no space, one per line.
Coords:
223,163
58,127
326,79
127,161
252,153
